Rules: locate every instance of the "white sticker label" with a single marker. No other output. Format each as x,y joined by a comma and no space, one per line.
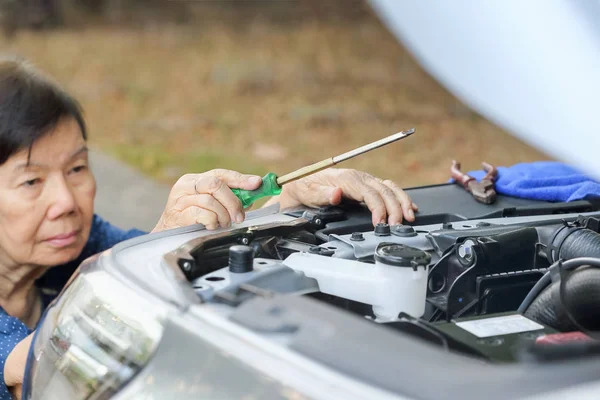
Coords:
499,326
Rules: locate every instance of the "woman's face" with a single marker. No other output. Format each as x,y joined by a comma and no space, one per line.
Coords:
46,204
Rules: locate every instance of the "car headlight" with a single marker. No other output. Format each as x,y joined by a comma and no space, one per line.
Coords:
93,340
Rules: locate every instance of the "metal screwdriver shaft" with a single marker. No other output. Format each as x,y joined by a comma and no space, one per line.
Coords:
329,162
271,184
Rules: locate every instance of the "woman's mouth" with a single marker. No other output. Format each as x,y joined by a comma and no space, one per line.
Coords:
63,240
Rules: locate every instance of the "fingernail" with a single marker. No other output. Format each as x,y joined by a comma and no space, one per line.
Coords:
239,218
415,206
411,214
255,180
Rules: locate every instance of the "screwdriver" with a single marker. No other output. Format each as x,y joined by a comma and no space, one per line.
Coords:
271,183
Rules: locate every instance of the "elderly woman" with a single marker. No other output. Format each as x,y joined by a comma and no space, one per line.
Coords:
47,221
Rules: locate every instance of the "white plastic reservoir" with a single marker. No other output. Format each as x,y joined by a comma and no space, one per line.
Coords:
396,283
404,271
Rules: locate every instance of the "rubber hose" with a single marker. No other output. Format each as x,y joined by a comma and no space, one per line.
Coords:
567,243
542,309
535,291
580,243
582,298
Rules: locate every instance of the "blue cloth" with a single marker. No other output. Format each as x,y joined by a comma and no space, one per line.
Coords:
103,236
544,180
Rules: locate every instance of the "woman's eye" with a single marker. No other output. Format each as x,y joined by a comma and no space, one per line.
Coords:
79,168
31,182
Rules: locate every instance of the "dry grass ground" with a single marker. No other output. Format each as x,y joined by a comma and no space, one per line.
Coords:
258,96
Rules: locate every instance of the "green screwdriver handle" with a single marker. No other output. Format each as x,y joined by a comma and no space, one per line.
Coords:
269,187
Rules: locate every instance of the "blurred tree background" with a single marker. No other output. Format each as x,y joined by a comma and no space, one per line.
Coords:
185,86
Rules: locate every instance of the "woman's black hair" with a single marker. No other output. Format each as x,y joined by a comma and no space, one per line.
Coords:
31,105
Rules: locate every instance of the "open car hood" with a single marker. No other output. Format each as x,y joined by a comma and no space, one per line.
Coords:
530,67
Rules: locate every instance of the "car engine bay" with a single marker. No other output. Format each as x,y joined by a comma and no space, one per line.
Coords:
509,282
469,301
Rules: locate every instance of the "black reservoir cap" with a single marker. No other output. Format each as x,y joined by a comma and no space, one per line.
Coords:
400,255
241,259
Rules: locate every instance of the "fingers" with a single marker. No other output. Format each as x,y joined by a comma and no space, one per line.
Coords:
196,215
393,206
386,200
408,207
206,198
188,183
219,190
206,202
235,179
375,203
363,187
337,194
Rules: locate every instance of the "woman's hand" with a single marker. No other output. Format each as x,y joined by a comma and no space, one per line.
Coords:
14,369
387,202
206,199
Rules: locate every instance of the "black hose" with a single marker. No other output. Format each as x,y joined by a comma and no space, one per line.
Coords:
579,298
542,309
579,304
546,280
566,243
535,291
574,242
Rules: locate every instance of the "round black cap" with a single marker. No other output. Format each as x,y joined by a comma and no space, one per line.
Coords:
400,255
382,229
403,231
241,259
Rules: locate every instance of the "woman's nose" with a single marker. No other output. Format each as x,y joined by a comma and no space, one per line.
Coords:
62,200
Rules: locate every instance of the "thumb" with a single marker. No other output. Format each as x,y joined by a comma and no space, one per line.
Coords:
235,179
